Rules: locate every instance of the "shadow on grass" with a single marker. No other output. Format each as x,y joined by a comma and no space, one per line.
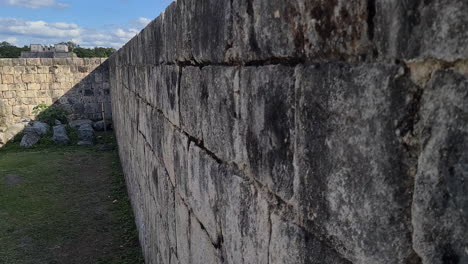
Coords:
65,204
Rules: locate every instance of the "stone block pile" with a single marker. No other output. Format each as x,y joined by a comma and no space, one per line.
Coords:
32,131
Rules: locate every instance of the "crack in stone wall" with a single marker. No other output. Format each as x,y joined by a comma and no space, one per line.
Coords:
297,131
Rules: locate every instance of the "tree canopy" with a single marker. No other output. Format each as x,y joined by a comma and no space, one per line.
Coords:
97,52
8,50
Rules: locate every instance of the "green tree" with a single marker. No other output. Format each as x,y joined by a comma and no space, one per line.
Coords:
10,51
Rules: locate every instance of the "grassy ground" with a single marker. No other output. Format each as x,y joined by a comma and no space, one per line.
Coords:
65,205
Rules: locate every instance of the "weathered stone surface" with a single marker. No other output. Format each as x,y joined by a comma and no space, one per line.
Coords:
245,221
210,29
78,123
291,244
38,128
86,135
201,185
162,90
347,117
201,248
440,206
267,125
275,137
12,131
422,29
208,107
295,30
29,140
60,135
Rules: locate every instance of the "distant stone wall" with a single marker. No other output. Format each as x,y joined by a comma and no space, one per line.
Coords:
78,85
47,54
305,131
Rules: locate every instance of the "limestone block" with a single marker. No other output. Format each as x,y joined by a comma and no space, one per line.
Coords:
202,251
183,231
210,29
6,62
45,100
8,70
192,102
73,68
47,61
33,61
19,87
17,69
20,111
50,78
162,89
92,61
440,215
202,193
28,78
7,78
208,107
41,93
267,115
61,77
422,29
64,68
30,69
97,77
8,94
4,108
346,148
170,147
19,62
5,87
57,86
34,86
291,244
59,61
18,79
78,61
245,221
42,69
265,29
92,108
41,78
45,86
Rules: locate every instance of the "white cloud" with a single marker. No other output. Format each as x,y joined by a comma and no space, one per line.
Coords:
11,40
125,34
25,32
13,26
143,21
34,3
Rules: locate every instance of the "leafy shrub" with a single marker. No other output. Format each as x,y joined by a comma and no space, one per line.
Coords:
49,114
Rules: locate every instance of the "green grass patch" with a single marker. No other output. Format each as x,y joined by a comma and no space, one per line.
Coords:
65,204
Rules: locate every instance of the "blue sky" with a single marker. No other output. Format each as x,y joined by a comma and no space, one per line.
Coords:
90,23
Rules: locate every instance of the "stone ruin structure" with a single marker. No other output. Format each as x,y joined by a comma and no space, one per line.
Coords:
40,51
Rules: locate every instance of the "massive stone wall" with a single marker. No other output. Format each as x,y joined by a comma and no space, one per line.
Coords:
78,85
261,131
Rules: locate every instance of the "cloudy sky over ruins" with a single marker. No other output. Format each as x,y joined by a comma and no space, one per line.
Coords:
90,23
